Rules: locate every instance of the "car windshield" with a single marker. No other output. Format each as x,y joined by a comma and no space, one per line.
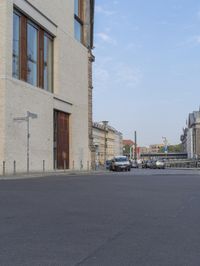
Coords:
121,159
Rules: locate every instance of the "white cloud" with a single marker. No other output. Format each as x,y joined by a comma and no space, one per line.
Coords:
197,39
101,73
192,41
127,75
112,75
106,38
102,10
133,47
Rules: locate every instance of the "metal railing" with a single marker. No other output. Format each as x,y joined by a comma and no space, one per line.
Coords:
13,168
183,164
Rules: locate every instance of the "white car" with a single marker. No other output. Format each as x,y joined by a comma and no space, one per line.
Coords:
120,163
134,164
160,165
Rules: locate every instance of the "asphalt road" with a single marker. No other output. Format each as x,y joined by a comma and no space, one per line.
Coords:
126,219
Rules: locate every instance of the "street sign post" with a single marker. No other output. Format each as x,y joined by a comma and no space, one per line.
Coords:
28,135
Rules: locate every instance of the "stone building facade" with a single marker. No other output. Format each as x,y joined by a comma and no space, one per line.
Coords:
108,142
184,140
191,136
46,73
194,127
155,148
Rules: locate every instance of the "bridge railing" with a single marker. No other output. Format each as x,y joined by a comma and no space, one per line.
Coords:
183,164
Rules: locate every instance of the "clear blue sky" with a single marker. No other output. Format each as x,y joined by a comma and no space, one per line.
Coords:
147,69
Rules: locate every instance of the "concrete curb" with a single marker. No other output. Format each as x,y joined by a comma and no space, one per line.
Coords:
48,174
182,168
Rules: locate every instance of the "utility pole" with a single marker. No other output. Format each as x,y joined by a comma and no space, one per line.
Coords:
105,123
135,155
165,141
27,120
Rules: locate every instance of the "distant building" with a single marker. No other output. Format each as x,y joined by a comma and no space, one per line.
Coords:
183,139
107,141
143,150
191,136
155,148
189,149
128,148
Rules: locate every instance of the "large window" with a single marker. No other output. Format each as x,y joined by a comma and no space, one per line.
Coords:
76,7
16,46
48,63
32,53
78,20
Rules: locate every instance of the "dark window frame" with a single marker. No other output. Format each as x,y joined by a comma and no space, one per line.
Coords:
47,35
79,18
19,15
23,60
31,23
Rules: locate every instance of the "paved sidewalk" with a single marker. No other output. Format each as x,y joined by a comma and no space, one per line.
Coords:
101,171
10,176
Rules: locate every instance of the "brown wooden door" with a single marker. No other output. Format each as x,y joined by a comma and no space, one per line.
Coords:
61,140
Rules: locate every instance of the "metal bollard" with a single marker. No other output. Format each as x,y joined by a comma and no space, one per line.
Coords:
43,165
73,165
81,164
14,167
64,165
4,168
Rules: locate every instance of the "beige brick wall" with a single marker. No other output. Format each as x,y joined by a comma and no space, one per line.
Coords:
70,85
3,30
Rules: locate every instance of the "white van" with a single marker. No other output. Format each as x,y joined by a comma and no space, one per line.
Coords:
120,163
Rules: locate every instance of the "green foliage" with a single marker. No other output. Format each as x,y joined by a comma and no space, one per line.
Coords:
173,148
126,150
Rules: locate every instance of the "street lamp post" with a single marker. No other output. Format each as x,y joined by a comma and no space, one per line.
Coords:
131,151
135,155
28,135
105,124
165,141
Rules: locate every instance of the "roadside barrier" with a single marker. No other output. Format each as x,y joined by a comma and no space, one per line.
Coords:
14,167
183,164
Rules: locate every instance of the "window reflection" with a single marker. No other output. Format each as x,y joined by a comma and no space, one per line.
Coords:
16,46
76,7
32,54
78,20
48,63
78,30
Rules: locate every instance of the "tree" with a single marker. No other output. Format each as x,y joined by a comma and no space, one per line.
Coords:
173,148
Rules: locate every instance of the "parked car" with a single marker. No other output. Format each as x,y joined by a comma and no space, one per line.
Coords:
160,164
139,163
134,164
120,163
108,163
151,164
144,164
